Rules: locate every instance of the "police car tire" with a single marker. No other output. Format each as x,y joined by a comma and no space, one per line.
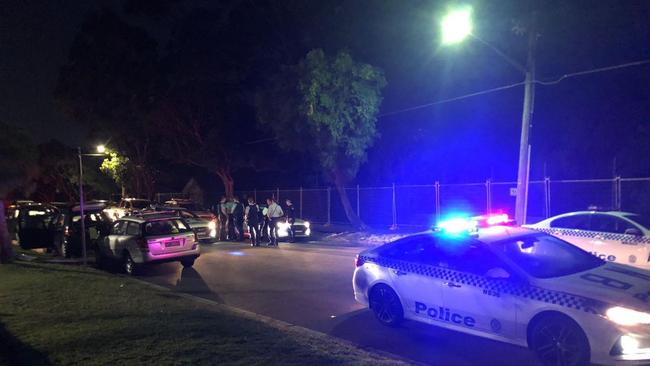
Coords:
386,305
554,335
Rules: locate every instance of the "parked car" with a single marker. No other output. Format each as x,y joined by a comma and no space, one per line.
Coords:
136,241
205,229
67,231
614,236
33,225
190,205
128,206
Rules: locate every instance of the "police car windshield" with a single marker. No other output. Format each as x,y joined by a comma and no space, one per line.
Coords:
543,256
140,204
640,219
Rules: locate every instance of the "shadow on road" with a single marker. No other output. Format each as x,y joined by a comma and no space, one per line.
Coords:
14,352
428,344
191,282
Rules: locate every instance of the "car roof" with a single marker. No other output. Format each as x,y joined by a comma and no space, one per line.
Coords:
149,217
612,213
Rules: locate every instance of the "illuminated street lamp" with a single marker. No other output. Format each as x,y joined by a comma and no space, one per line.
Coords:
101,151
456,26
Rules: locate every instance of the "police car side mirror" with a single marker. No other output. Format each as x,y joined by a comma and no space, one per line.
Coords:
633,231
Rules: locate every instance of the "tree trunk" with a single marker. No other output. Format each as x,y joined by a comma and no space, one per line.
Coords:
352,216
6,252
228,182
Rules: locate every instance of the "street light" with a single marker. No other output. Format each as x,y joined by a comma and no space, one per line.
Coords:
101,151
456,26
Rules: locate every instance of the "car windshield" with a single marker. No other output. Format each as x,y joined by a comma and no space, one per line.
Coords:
544,256
640,219
165,227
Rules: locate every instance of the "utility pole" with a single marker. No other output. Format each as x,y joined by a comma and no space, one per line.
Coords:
521,202
81,208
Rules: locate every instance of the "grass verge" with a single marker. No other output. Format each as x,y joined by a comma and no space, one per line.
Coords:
64,315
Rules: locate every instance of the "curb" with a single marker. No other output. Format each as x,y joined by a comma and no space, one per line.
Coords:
278,324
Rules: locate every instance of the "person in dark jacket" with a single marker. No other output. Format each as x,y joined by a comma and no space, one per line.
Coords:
238,219
252,214
222,215
290,213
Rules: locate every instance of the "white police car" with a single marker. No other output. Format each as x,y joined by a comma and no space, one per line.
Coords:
613,236
513,285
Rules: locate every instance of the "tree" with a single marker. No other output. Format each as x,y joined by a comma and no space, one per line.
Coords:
17,160
326,107
110,83
117,167
200,117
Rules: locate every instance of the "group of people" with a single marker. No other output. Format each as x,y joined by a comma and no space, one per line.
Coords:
262,221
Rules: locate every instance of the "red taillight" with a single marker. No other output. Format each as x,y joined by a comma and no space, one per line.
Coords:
142,243
358,261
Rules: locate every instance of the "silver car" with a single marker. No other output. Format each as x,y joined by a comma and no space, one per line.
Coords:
136,241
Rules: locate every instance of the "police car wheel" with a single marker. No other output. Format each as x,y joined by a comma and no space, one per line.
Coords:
558,340
386,305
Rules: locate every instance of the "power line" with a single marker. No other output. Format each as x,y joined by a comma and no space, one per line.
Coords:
593,71
541,82
453,99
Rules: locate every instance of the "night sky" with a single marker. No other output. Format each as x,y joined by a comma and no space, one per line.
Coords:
580,125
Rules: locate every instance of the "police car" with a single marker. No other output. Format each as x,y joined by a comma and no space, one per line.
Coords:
613,236
514,285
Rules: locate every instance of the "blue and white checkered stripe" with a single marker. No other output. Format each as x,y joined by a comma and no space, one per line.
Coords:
502,287
625,238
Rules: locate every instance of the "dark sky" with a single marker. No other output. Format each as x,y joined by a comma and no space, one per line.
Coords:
594,117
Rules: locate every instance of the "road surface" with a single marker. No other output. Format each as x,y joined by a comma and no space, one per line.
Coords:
310,284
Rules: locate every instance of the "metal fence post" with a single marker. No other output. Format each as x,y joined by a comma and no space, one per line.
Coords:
358,205
277,196
617,193
329,205
437,203
300,201
255,194
394,210
488,196
547,197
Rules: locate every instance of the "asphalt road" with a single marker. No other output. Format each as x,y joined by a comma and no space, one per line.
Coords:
310,284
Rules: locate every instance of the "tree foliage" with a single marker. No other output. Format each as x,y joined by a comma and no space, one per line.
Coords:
110,84
326,107
116,166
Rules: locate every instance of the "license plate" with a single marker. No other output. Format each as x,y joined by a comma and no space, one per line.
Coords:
172,244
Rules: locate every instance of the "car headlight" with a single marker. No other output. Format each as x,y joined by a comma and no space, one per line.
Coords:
624,316
283,225
212,225
307,224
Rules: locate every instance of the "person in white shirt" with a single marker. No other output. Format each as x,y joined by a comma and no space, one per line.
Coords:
274,213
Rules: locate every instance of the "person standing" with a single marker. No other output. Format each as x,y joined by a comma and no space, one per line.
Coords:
264,222
290,212
252,214
275,214
238,217
222,215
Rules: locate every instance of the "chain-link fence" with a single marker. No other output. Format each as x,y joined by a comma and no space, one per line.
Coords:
423,205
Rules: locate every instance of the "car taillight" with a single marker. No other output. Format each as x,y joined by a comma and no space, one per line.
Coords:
358,261
142,243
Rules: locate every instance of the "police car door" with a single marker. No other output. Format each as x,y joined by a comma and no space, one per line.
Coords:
473,295
611,243
414,277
